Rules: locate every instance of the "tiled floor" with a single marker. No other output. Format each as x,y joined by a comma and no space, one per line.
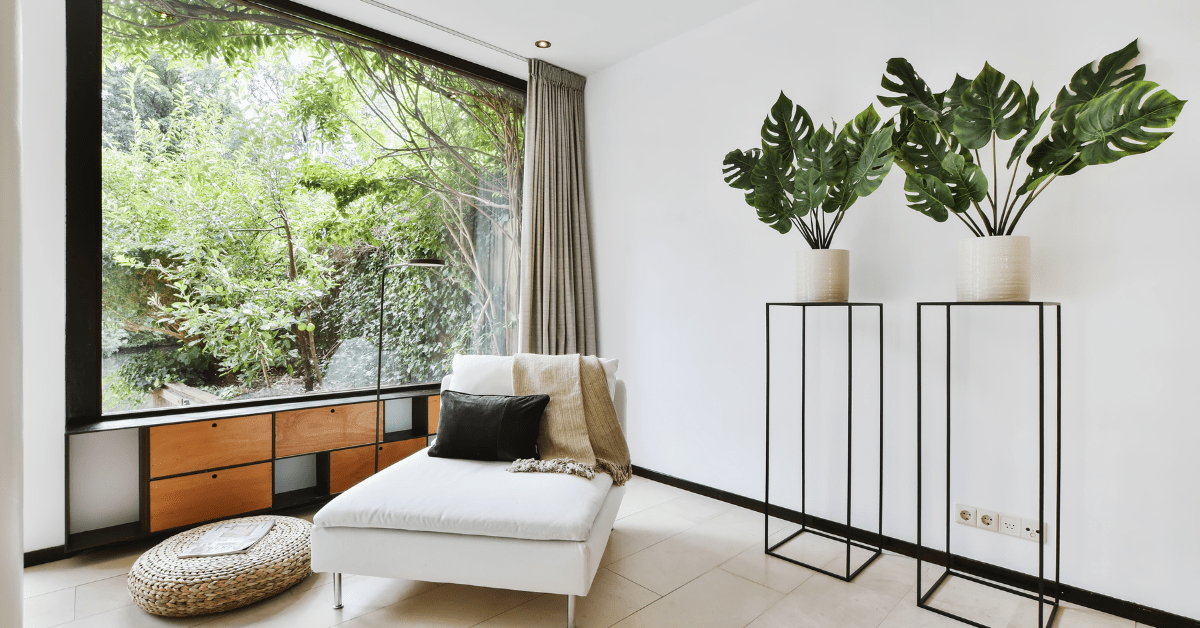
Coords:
674,559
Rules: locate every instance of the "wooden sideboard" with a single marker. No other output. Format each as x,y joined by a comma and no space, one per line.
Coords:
220,463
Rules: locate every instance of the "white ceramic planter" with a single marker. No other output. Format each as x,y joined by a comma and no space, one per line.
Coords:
823,275
994,268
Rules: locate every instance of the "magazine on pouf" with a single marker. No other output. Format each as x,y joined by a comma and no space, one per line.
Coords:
229,538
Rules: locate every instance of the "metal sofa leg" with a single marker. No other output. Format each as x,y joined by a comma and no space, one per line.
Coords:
570,611
337,590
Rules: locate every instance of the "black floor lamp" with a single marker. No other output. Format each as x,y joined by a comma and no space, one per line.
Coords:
426,262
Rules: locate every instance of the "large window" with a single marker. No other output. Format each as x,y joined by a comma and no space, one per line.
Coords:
259,169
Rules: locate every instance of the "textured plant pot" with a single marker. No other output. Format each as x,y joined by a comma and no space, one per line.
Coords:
823,275
994,268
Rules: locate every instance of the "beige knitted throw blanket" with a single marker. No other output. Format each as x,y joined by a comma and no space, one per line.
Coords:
580,433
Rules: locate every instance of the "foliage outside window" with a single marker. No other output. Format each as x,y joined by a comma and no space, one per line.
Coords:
259,173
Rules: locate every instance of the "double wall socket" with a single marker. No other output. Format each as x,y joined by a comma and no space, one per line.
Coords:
994,521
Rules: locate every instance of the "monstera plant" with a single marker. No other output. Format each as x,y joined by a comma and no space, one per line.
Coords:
1108,112
806,177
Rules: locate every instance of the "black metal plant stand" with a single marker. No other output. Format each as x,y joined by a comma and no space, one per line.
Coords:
804,518
1041,598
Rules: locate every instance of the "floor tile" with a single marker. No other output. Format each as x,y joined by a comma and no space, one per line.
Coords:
132,617
643,495
971,600
908,615
1069,616
81,569
823,602
638,531
664,567
697,508
889,574
312,607
717,599
611,599
774,573
102,596
448,606
811,549
49,609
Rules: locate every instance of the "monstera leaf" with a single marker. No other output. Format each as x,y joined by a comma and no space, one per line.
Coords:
824,154
1057,153
924,148
854,136
786,128
951,101
913,93
1118,123
966,181
737,167
1091,82
928,195
990,106
768,197
872,165
1033,125
809,192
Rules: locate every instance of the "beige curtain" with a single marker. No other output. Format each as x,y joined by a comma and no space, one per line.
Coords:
558,311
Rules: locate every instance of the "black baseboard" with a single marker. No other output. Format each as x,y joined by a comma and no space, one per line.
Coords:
47,555
1096,601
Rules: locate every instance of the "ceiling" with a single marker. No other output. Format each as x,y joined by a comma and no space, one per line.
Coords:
586,35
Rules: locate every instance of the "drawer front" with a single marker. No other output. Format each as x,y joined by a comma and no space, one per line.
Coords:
200,497
348,467
322,429
391,453
435,410
188,447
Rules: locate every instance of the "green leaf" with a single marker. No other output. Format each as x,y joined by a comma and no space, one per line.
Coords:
867,173
820,162
823,153
737,167
1117,124
768,196
951,101
1055,154
989,106
854,135
928,195
924,148
1090,82
786,128
966,181
1033,125
810,191
913,93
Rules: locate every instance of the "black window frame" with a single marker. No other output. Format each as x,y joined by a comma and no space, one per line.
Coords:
84,214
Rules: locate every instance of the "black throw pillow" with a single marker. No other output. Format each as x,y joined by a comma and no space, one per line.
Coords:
488,427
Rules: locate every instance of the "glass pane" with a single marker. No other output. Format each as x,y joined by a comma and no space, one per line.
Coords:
260,173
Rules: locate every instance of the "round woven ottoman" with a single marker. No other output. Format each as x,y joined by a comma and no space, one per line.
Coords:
161,583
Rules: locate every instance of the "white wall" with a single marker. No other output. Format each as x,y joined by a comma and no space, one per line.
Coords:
684,267
43,237
10,317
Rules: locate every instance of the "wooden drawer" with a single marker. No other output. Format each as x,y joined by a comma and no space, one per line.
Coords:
200,497
391,453
435,411
188,447
322,429
348,467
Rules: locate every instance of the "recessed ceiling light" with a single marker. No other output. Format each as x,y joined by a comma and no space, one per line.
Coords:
542,43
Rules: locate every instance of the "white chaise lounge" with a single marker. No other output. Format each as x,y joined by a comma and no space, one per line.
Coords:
473,523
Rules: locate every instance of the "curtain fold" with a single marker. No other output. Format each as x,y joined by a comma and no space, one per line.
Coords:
557,311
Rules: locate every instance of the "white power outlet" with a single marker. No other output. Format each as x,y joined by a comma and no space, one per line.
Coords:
987,519
964,515
1030,531
1011,525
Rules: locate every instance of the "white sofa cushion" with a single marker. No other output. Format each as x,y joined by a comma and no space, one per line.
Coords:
446,495
492,374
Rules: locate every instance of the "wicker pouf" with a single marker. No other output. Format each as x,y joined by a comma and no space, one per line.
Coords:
161,583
